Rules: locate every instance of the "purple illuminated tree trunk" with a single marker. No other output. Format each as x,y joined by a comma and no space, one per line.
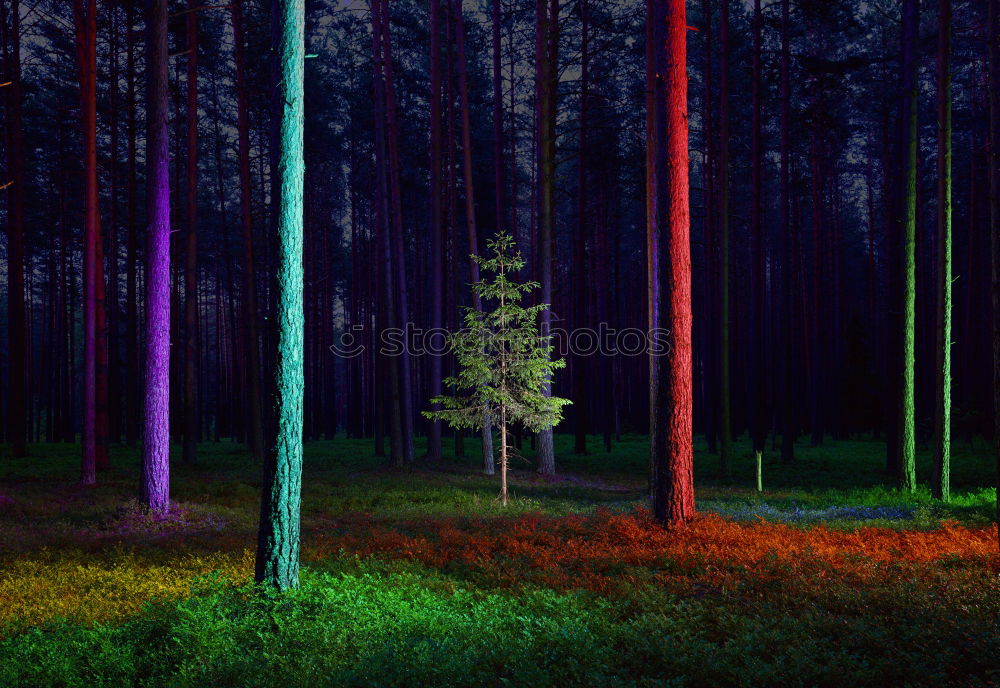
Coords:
17,427
758,401
156,436
994,97
789,429
581,388
85,19
191,426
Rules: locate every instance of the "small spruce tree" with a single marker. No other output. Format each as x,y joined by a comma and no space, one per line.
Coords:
504,363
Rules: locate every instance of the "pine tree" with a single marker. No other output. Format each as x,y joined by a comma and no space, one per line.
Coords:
505,363
278,536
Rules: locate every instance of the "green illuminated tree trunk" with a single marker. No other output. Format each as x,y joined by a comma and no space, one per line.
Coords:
942,416
278,537
907,475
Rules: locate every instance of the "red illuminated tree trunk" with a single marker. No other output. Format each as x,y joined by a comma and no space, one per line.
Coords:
255,432
668,244
85,19
17,420
191,426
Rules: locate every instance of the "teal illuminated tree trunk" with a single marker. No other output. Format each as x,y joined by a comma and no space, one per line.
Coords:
941,486
278,537
907,476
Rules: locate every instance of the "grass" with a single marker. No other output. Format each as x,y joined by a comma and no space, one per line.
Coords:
420,577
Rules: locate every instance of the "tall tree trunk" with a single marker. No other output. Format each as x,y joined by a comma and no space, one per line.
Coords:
191,427
17,419
387,302
709,345
758,402
156,440
277,562
941,487
994,98
789,429
114,367
907,413
547,79
470,201
132,385
398,239
85,18
581,387
255,434
668,241
437,237
725,421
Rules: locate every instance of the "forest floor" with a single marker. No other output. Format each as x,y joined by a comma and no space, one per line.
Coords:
419,577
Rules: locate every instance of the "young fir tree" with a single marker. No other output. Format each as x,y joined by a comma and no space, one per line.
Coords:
505,363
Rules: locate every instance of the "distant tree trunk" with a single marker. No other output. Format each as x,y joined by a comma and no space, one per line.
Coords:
907,469
17,421
498,159
85,18
156,440
725,421
941,486
546,78
277,562
709,345
789,429
387,302
668,243
114,357
816,198
470,201
437,237
255,434
994,90
398,246
581,387
191,426
758,411
132,386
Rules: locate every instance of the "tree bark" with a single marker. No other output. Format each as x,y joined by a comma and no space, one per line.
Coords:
437,238
907,421
191,353
994,97
470,201
725,420
156,440
758,411
668,240
789,426
17,419
85,19
277,562
255,434
547,79
941,486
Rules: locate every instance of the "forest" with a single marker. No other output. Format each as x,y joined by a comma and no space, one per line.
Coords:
500,343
